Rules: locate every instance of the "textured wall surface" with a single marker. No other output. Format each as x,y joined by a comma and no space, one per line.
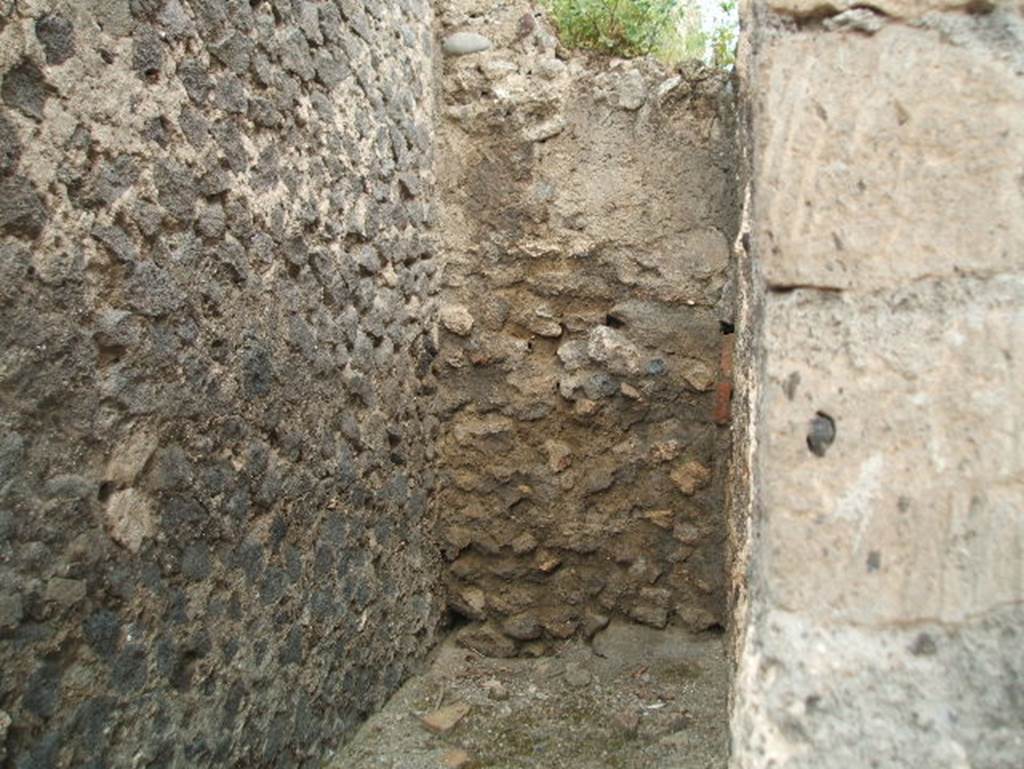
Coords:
214,378
884,623
588,209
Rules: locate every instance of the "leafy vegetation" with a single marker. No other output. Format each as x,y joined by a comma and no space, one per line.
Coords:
723,38
667,29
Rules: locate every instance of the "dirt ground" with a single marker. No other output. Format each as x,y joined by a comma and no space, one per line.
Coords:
634,698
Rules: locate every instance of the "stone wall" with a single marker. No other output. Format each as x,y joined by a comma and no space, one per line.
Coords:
883,324
588,209
215,329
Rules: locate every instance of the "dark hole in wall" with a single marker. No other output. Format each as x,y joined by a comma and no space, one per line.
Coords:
105,491
821,434
980,7
455,619
613,321
108,353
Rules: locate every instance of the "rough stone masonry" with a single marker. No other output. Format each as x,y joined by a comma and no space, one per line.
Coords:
587,214
880,525
216,326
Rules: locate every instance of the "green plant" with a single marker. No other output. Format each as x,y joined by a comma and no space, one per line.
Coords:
723,39
624,28
671,30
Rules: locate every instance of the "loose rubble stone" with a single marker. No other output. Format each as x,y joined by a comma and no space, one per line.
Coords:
444,719
698,374
488,641
129,459
541,325
613,350
573,355
523,544
522,627
655,616
457,319
690,477
630,392
660,518
632,91
863,20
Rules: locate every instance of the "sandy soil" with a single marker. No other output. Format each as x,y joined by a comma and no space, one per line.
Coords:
634,698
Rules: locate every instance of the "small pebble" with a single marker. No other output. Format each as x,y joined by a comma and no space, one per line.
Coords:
457,759
496,690
577,677
464,43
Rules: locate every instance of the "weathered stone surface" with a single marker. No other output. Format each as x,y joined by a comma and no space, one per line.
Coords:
882,485
857,673
877,543
813,226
